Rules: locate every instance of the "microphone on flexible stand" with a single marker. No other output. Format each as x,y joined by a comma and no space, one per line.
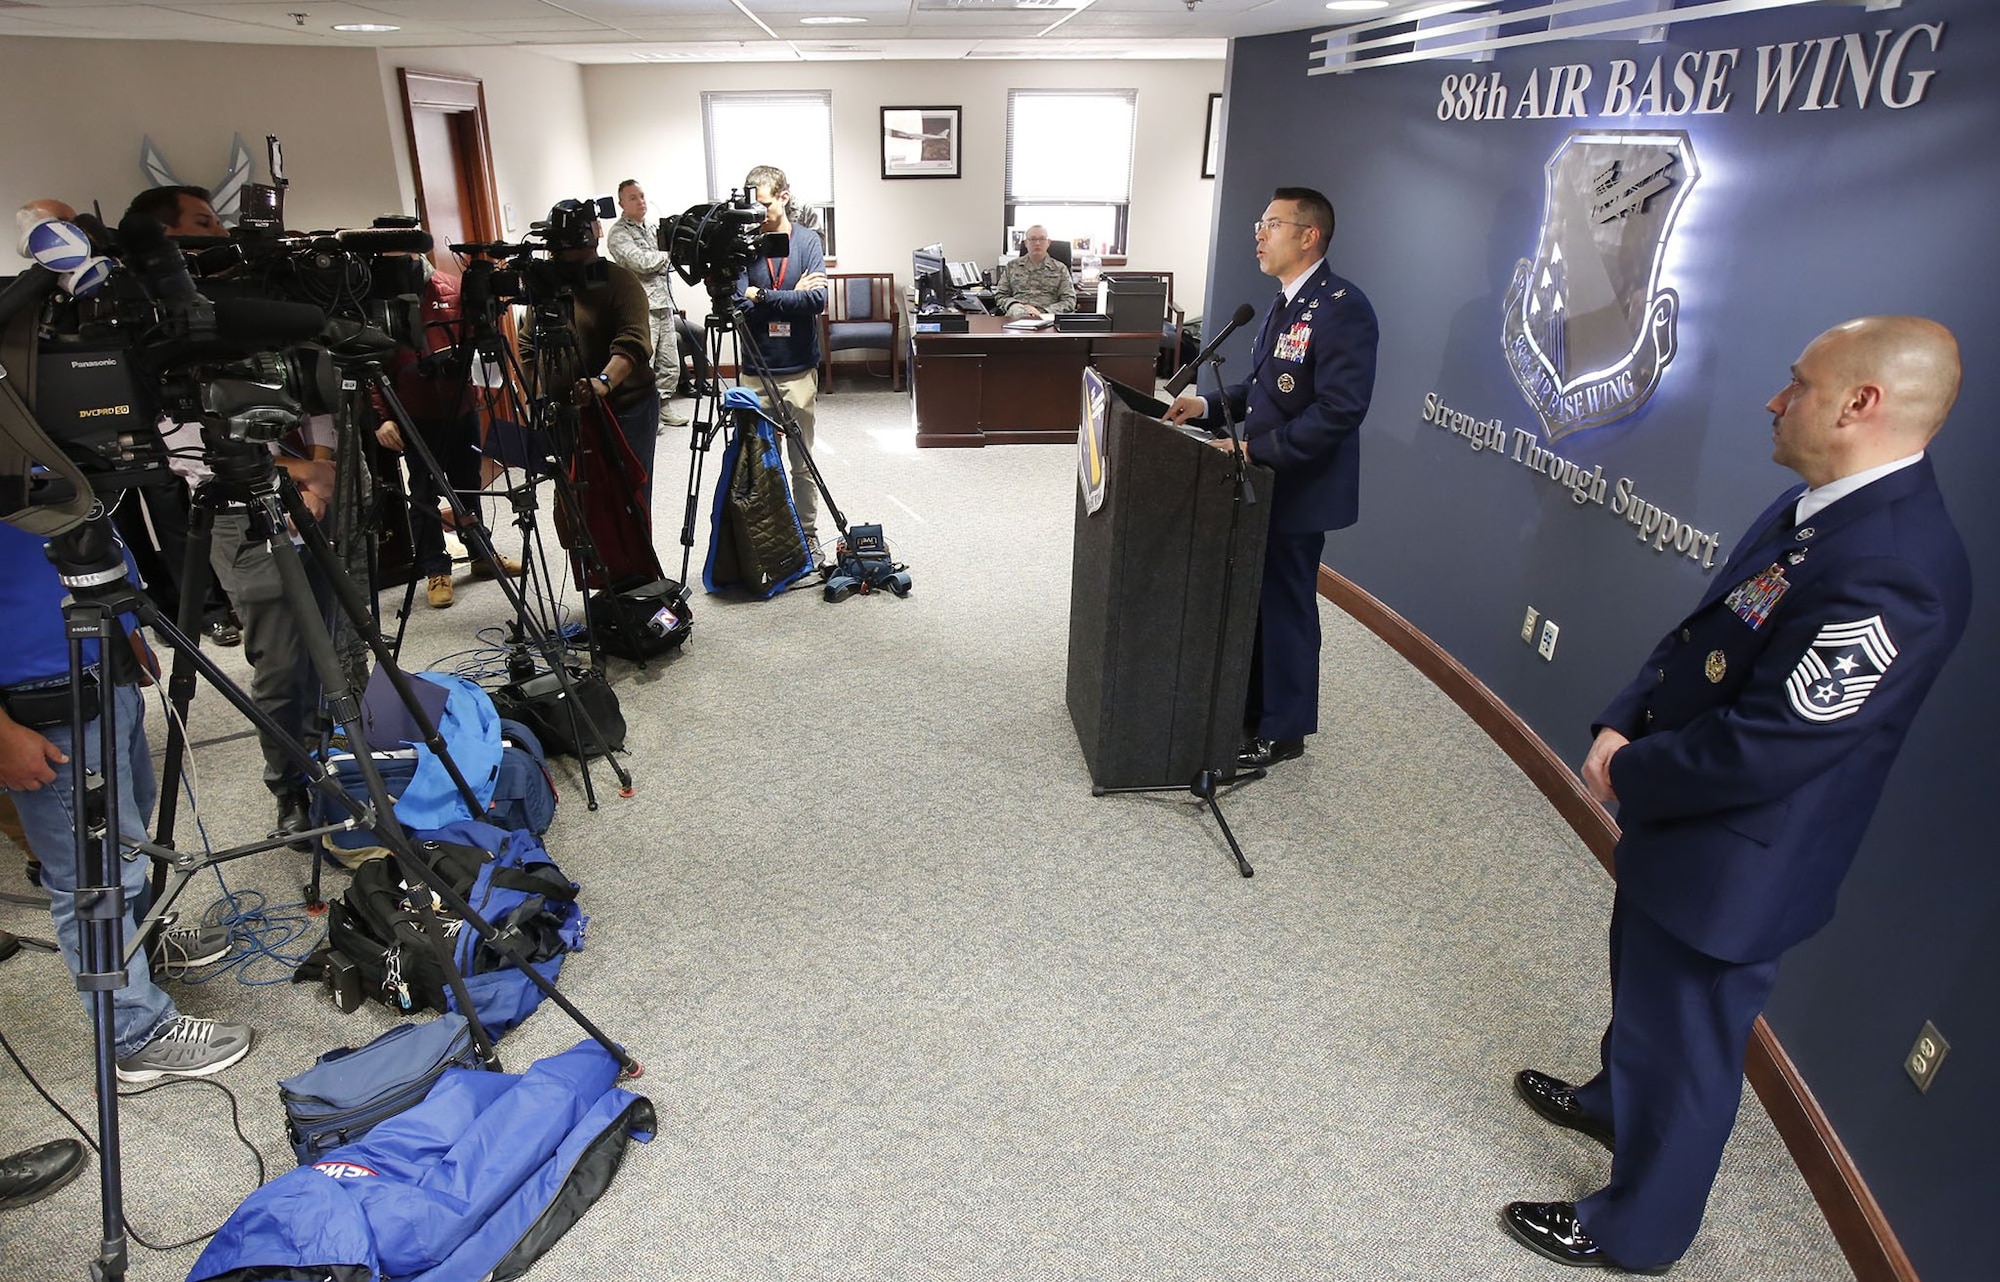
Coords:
1186,373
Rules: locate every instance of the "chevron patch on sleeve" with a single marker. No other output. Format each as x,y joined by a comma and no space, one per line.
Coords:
1840,669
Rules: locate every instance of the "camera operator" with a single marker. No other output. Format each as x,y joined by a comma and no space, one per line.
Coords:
783,299
284,684
152,1038
614,340
154,521
633,246
438,394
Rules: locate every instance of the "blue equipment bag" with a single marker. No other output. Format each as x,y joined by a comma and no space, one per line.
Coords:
523,790
476,1182
353,1089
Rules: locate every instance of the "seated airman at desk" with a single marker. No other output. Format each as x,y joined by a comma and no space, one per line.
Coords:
1035,284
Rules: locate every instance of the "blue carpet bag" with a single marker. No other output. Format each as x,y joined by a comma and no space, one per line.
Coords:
476,1182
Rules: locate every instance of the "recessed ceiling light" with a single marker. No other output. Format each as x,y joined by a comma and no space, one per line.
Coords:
1356,5
829,20
366,28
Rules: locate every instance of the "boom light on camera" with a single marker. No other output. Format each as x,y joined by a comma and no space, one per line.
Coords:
100,368
712,245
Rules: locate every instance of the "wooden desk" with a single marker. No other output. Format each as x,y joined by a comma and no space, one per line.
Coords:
998,386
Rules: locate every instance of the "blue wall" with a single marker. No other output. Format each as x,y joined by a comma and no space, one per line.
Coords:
1800,219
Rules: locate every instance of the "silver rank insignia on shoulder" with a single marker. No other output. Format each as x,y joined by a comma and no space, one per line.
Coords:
1286,382
1338,294
1715,667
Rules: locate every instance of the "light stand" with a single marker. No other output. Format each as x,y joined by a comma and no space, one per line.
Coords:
1209,783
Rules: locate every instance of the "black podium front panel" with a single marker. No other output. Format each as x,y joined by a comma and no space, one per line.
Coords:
1146,602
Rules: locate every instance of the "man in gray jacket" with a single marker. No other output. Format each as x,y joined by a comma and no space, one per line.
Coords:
631,245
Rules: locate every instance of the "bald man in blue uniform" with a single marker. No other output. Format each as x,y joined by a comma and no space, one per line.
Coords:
1746,760
1312,375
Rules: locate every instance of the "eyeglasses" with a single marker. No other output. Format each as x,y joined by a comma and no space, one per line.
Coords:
1263,225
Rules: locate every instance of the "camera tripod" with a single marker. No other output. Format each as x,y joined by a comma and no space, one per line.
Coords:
725,319
90,562
534,637
1209,784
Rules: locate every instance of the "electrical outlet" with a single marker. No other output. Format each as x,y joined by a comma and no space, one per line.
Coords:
1528,625
1923,1060
1547,648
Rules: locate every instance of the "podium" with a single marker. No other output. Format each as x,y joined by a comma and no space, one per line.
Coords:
1146,596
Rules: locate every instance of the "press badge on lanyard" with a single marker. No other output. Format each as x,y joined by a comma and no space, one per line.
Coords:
777,273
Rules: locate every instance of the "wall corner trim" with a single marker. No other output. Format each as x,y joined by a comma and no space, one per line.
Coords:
1859,1226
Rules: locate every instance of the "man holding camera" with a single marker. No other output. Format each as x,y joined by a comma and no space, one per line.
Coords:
613,336
283,683
782,301
633,246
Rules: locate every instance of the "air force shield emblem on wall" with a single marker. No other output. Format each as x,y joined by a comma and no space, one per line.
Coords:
1588,330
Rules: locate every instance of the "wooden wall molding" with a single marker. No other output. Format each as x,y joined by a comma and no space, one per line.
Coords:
1863,1232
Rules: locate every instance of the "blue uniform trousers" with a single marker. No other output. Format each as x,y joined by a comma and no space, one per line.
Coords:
1284,665
1670,1085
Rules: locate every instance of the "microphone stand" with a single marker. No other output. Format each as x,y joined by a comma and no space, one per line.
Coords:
1209,783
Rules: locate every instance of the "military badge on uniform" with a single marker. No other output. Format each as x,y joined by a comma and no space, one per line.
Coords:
1715,667
1840,669
1292,345
1753,601
1795,556
1805,534
1286,382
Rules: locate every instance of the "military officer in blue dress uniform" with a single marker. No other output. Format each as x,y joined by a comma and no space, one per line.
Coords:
1312,374
1746,759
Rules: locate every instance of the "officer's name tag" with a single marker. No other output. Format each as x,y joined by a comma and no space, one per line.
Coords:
781,329
1292,346
1754,600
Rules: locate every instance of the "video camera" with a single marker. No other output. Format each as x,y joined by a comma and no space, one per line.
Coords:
712,244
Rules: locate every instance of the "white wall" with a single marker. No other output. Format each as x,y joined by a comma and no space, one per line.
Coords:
534,116
645,123
79,108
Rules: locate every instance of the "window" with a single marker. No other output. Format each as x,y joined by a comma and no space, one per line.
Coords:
1069,164
792,130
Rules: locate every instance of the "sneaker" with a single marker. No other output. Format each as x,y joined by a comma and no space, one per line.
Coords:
185,947
439,592
186,1047
499,565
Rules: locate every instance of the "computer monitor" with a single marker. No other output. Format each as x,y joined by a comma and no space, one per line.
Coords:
927,274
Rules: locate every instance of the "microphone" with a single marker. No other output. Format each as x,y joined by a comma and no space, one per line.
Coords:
385,240
267,321
1186,373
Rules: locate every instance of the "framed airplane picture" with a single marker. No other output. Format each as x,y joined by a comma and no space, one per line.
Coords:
920,142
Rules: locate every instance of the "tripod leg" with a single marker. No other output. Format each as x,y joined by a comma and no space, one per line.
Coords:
347,711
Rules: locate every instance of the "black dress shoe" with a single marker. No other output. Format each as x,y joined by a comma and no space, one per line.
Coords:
225,632
1255,754
1550,1229
294,817
1555,1100
32,1175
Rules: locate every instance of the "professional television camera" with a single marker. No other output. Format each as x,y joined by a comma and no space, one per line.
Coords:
137,341
711,244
